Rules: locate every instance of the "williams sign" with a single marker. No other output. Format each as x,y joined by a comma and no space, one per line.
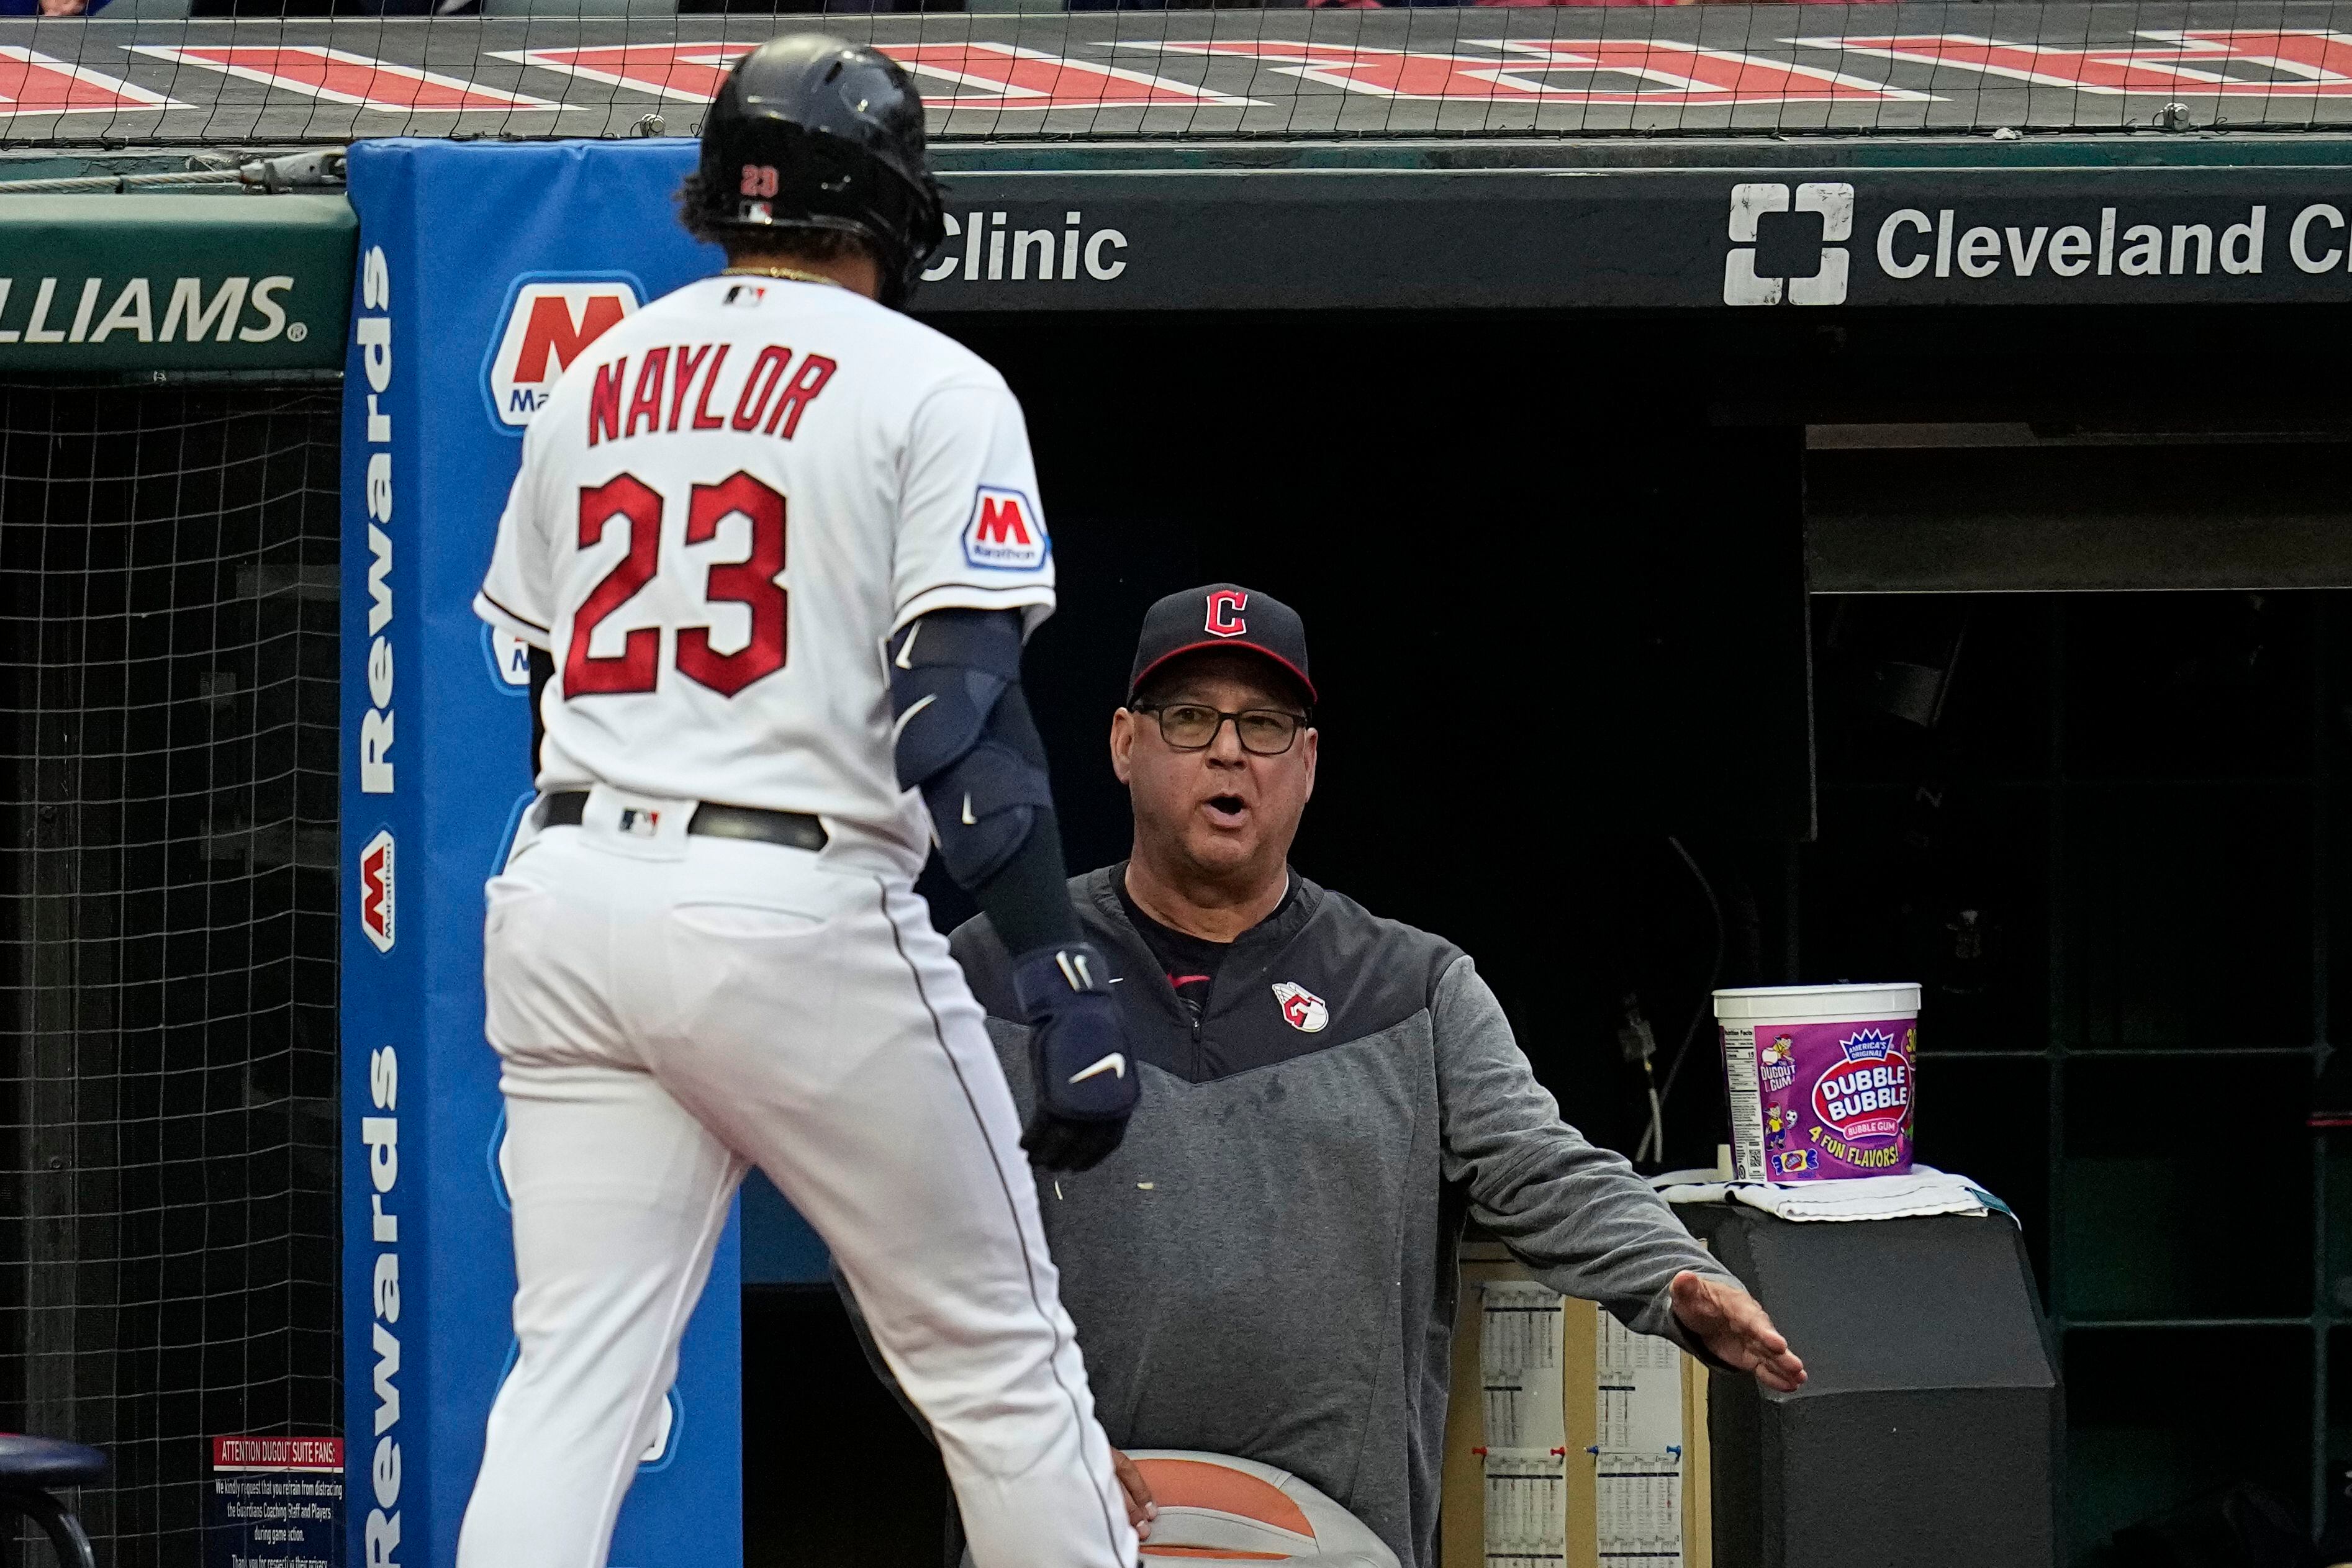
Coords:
174,282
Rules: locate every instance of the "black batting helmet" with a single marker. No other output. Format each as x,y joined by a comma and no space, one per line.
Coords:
809,131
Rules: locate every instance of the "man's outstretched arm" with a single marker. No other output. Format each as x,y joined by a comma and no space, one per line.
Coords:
1578,1214
1738,1331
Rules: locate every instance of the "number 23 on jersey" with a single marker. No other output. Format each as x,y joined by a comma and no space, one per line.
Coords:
627,502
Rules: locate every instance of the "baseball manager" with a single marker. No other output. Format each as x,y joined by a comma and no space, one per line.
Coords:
1265,1266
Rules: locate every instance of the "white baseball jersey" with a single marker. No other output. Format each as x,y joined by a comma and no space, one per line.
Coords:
726,506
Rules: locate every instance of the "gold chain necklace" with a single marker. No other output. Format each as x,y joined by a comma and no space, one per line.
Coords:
789,274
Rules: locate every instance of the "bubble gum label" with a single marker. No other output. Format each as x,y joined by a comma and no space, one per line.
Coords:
1831,1099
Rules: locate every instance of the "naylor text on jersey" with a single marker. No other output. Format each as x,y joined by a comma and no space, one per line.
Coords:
768,399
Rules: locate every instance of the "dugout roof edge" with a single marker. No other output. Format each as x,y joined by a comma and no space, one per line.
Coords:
1819,223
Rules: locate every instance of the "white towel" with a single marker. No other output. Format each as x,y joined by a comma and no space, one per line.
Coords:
1922,1190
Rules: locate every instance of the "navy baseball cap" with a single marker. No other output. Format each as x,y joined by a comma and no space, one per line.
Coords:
1220,615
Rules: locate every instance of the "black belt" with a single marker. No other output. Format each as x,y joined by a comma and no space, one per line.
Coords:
793,830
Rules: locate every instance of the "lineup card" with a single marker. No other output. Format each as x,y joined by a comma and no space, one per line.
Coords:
1638,1511
1526,1508
1638,1470
1521,1353
1638,1381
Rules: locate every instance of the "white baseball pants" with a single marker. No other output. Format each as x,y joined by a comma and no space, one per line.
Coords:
668,1010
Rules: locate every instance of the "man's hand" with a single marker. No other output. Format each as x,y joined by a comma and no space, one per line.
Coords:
1140,1510
1086,1084
1733,1326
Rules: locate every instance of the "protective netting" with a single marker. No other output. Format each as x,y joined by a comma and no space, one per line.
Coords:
602,67
168,1253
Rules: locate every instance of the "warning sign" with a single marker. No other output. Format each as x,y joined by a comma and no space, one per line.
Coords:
277,1503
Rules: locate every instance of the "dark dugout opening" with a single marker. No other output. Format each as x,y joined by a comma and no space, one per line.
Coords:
1555,616
167,934
1554,569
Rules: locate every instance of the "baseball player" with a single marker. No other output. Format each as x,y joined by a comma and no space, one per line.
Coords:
780,546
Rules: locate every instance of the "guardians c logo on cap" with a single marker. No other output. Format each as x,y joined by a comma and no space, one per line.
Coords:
1220,615
1225,607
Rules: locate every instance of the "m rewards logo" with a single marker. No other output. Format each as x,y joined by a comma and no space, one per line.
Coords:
549,323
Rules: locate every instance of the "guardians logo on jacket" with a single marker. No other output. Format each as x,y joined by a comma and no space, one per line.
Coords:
1302,1010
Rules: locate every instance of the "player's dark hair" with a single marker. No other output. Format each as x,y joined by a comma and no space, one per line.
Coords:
786,243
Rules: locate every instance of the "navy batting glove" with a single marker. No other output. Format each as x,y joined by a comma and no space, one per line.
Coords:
1087,1086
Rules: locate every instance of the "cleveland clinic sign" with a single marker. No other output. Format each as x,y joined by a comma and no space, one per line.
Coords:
1945,242
1487,237
1910,242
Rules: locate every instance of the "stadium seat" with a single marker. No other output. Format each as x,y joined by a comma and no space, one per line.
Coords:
1216,1508
29,1468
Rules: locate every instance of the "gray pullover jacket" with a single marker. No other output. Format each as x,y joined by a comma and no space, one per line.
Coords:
1267,1266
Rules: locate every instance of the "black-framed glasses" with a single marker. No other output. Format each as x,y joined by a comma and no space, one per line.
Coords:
1193,726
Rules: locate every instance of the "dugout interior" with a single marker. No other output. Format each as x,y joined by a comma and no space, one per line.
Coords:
2002,649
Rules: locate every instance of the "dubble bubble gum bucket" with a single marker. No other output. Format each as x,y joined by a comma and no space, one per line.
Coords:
1820,1078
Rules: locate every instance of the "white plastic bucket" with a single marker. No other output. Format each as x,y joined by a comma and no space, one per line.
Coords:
1820,1078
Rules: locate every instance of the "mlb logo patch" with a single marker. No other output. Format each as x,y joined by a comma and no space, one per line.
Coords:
1005,533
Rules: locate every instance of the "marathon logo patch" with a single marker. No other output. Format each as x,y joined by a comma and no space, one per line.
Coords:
548,324
1005,533
509,658
376,890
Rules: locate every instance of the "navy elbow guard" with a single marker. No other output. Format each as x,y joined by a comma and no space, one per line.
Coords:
964,737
